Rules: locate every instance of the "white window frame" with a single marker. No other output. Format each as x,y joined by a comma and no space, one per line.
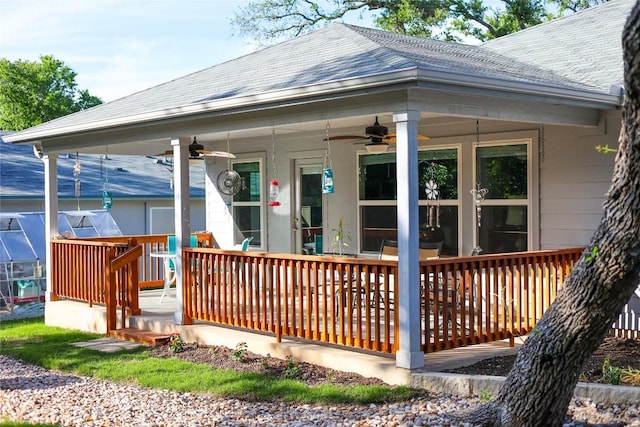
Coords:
532,193
261,203
448,202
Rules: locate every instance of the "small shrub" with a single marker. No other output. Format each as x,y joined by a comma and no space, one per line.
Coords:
485,396
265,361
630,376
240,352
175,343
610,374
292,369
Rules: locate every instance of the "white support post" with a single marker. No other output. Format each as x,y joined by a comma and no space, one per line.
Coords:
182,214
409,354
50,212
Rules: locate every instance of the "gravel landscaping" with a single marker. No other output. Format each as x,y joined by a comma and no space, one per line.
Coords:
31,393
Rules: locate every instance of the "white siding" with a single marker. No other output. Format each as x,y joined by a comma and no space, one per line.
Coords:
574,178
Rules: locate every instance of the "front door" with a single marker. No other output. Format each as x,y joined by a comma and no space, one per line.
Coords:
309,214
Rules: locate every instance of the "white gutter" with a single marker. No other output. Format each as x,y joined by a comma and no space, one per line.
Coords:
379,82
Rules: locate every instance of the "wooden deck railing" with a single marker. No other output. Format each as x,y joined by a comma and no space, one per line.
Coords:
122,285
491,297
336,300
97,272
350,301
151,269
78,269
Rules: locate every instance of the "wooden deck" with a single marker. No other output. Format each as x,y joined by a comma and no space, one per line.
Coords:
339,301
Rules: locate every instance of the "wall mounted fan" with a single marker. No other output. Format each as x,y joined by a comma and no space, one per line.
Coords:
197,151
378,138
229,182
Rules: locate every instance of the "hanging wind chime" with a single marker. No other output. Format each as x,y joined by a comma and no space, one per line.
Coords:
479,193
433,193
327,169
107,200
274,188
76,173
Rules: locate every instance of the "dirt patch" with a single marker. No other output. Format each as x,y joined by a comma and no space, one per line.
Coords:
223,358
622,353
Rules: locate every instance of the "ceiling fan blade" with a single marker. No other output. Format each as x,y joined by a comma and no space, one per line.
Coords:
166,153
392,137
224,154
339,137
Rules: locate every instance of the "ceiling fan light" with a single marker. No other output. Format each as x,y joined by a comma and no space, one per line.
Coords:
377,148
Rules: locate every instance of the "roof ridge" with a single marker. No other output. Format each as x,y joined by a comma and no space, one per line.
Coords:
556,21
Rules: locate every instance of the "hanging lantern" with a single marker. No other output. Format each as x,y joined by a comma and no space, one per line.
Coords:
274,193
107,200
327,171
327,181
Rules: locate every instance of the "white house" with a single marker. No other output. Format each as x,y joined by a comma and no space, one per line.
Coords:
520,117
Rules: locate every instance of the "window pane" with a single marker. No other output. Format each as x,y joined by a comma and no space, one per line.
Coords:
503,171
441,168
447,231
250,173
503,229
380,222
247,220
378,176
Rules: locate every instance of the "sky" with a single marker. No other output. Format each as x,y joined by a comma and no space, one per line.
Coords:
118,47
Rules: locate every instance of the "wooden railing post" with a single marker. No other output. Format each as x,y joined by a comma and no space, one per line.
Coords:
55,269
133,288
110,281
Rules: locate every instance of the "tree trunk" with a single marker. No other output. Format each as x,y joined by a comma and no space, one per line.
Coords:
540,385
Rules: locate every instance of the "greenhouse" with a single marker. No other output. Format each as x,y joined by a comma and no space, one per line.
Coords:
23,254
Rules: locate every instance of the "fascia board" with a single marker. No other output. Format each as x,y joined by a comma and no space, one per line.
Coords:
592,99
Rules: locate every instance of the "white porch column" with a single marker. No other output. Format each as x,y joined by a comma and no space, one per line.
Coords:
409,355
182,214
50,211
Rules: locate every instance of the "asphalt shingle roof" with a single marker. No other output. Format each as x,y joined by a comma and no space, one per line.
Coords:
22,175
580,52
584,47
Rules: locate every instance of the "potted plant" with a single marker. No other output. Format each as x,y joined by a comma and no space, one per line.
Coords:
340,237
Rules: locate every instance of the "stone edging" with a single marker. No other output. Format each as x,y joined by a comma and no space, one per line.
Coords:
476,385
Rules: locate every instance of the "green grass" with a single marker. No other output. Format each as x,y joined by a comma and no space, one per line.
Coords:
50,347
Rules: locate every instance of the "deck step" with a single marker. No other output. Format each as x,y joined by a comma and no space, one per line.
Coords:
141,336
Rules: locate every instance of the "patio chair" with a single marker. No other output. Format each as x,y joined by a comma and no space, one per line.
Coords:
171,247
427,250
170,266
245,244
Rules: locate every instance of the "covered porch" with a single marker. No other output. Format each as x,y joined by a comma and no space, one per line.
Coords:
341,139
339,302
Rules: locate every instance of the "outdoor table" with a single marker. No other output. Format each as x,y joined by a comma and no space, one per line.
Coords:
168,261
